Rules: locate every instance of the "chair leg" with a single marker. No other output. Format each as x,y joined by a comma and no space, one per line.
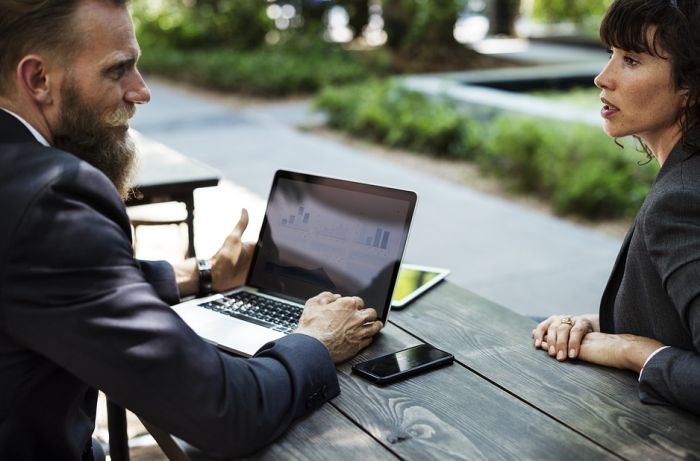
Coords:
166,443
118,438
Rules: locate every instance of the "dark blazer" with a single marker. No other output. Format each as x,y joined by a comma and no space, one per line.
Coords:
654,289
79,313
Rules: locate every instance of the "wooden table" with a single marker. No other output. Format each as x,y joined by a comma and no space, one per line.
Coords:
501,399
165,175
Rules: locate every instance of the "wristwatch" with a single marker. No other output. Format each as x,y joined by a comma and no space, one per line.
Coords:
204,266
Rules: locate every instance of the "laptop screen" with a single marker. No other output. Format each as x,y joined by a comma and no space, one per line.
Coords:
322,234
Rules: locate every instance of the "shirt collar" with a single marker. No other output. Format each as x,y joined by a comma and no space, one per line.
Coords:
31,129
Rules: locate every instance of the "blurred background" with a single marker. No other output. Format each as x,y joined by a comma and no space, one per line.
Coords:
486,108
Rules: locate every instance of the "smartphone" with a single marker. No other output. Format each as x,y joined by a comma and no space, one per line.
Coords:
414,280
402,364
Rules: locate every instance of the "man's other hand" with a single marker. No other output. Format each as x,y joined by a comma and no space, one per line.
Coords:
342,324
230,265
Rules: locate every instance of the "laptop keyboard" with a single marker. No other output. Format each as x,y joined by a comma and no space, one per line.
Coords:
260,310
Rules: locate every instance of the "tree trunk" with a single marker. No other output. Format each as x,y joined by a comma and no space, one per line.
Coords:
358,11
503,14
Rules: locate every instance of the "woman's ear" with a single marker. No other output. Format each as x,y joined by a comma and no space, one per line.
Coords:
33,79
684,90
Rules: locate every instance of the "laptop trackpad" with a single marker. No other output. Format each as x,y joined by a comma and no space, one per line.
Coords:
229,333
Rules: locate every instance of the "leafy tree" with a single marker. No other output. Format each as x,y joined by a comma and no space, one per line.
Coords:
240,24
398,16
416,24
358,11
314,12
562,10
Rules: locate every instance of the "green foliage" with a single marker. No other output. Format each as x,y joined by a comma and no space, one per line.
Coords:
293,68
576,167
509,150
421,23
568,10
387,113
240,24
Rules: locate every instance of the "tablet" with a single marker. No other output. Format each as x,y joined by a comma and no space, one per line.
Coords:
413,281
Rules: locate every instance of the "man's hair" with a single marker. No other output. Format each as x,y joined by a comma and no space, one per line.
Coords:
36,26
677,22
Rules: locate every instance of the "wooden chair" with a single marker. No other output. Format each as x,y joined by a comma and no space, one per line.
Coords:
160,214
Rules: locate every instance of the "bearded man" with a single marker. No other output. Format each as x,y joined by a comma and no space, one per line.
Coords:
77,312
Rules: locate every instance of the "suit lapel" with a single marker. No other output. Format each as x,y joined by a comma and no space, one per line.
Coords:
607,301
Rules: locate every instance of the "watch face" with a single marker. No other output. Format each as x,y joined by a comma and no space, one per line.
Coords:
204,266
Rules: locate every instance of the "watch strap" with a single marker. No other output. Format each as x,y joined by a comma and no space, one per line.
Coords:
204,266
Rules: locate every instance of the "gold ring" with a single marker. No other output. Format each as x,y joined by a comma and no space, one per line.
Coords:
567,320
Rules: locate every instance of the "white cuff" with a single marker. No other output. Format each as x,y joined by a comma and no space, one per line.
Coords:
649,358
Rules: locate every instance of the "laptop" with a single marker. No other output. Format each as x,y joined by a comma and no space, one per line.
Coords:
318,234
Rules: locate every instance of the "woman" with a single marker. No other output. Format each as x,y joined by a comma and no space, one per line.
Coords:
649,319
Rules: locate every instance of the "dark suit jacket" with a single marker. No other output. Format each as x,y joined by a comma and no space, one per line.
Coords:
79,313
654,289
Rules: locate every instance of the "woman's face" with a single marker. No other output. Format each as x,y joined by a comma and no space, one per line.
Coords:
640,98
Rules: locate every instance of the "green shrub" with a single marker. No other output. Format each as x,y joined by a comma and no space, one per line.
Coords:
586,15
603,179
576,167
384,112
181,24
509,150
567,10
277,70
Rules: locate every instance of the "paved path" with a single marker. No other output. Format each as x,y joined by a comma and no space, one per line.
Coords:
530,262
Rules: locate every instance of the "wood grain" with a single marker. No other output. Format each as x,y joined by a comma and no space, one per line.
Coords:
600,403
451,413
324,435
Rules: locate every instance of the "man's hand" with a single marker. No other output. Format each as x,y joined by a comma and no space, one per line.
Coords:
230,265
343,325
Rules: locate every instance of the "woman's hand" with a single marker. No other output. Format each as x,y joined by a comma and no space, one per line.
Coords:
628,352
561,335
579,336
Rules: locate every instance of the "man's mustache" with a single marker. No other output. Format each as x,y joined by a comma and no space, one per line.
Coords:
121,116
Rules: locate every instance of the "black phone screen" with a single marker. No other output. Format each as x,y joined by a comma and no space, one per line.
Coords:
403,363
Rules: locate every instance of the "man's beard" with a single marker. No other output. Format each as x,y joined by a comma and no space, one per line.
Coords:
102,143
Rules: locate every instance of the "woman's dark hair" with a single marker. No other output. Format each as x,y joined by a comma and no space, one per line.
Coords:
677,33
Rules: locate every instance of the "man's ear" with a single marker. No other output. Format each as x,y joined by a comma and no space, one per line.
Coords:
34,80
